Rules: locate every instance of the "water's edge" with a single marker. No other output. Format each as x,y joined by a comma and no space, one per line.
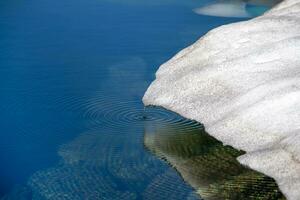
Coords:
176,89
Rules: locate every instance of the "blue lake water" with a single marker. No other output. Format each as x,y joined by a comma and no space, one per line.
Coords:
72,75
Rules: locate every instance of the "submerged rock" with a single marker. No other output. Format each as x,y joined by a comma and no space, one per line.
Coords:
242,82
208,166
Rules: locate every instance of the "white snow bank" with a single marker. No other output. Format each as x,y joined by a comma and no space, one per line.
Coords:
242,81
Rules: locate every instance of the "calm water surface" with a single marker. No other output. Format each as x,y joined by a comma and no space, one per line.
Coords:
72,75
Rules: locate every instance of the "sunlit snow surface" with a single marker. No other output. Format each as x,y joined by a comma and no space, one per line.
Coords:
242,82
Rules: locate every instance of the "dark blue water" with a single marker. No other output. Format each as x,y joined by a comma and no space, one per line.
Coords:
72,75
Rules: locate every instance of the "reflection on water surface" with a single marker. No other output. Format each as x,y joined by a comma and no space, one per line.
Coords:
204,163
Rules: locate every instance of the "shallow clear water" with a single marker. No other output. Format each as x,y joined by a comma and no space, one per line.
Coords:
72,75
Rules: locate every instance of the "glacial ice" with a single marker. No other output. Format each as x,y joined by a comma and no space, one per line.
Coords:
242,81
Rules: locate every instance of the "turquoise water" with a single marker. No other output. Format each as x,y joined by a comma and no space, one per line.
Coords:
256,10
72,77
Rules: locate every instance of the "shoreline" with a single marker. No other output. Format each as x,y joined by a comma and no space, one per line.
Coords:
240,80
